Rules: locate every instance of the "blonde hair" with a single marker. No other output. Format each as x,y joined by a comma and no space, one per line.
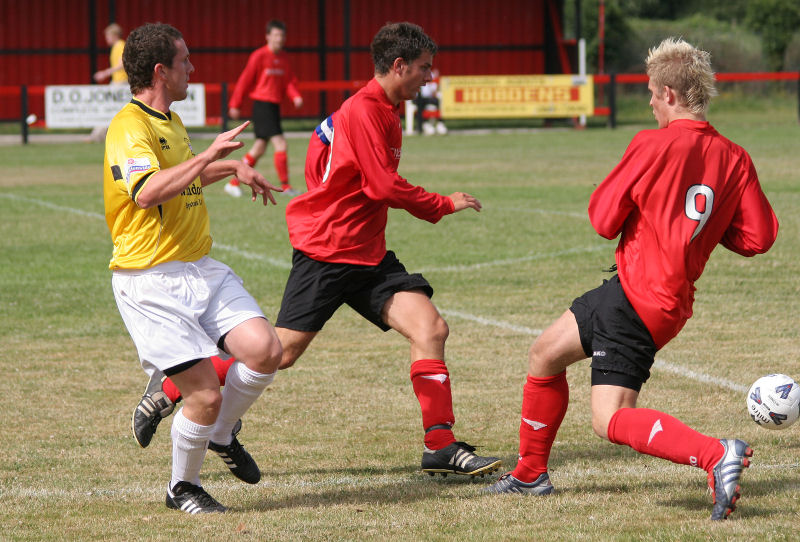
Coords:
113,28
685,69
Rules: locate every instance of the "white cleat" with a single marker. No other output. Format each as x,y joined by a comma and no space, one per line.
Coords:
233,190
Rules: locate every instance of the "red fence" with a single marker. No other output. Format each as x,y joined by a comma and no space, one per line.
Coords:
49,42
31,99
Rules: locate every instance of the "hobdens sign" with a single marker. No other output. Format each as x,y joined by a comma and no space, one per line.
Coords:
87,106
509,96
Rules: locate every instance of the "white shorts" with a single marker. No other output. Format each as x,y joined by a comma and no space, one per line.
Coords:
176,312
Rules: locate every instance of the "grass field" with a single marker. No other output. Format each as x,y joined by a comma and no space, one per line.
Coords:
338,437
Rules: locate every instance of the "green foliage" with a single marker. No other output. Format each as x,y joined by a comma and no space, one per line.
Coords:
616,36
792,57
723,10
776,21
741,35
732,47
654,9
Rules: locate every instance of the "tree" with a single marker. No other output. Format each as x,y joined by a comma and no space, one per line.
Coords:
723,10
775,21
617,35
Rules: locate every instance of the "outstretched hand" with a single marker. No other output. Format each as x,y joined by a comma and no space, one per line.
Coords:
257,183
462,200
225,143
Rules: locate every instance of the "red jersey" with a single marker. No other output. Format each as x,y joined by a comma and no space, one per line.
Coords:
343,219
267,77
677,193
318,152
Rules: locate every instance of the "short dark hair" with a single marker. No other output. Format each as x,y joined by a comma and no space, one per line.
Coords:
275,23
146,46
399,40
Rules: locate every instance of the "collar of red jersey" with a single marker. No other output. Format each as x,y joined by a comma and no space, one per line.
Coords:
374,87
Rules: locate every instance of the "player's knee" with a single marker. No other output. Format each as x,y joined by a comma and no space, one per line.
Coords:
440,330
537,364
288,358
270,358
600,425
431,333
208,401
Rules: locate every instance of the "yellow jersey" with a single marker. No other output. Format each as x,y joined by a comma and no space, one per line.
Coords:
114,59
140,142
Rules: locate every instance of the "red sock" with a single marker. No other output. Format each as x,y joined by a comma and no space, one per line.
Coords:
658,434
249,160
282,167
221,366
544,404
171,390
431,383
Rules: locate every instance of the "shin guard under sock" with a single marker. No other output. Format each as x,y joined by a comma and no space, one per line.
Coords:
431,382
544,404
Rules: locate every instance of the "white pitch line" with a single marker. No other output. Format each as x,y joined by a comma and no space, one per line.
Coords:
275,262
700,377
54,206
522,259
283,264
659,363
286,264
493,323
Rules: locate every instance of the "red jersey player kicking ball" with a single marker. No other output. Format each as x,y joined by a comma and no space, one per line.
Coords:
337,230
678,192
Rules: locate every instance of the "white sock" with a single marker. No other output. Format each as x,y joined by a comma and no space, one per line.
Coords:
189,445
242,387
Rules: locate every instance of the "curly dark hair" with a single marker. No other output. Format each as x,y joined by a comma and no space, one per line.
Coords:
146,46
399,40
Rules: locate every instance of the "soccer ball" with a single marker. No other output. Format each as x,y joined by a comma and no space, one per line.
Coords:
774,401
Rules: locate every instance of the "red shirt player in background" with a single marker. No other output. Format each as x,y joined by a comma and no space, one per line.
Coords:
266,79
678,192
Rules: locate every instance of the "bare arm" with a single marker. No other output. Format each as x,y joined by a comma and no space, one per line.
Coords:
102,75
168,183
246,174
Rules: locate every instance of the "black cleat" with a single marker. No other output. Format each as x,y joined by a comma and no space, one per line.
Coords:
457,458
241,463
192,499
153,407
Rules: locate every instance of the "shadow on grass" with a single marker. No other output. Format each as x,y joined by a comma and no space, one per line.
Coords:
748,504
363,486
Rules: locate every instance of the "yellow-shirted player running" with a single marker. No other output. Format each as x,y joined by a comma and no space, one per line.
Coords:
180,306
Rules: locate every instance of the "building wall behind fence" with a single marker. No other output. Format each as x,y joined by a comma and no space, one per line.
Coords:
46,42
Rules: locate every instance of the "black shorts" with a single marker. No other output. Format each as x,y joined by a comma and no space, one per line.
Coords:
266,119
614,336
316,289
